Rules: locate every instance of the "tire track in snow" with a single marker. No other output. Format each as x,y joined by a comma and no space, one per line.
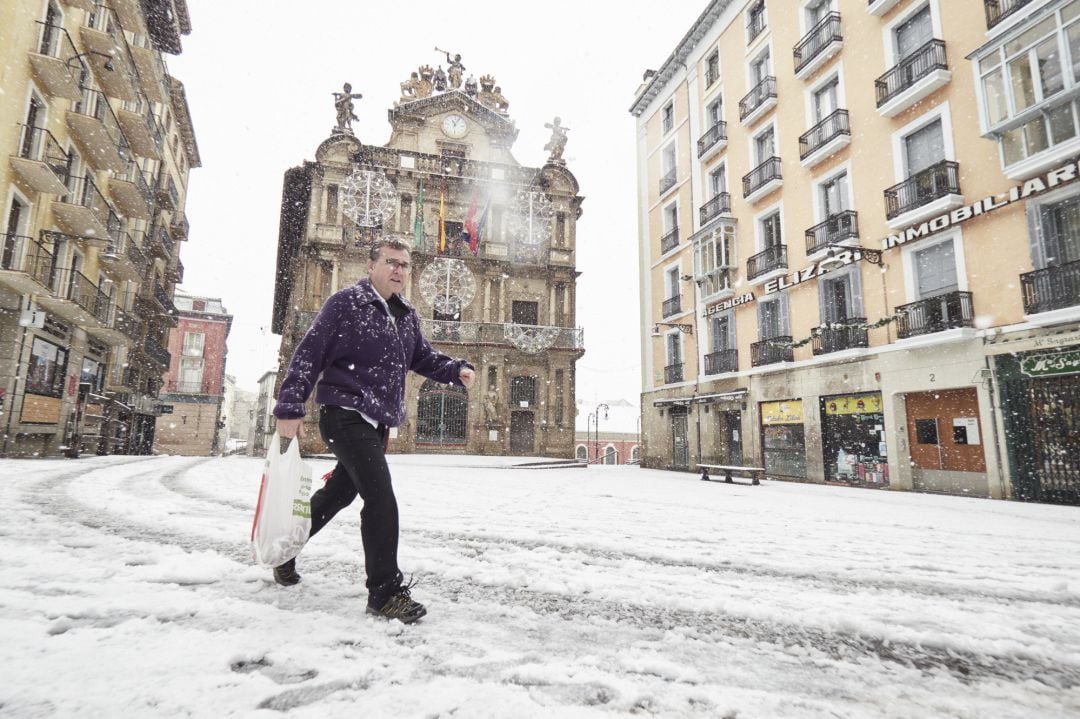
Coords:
830,581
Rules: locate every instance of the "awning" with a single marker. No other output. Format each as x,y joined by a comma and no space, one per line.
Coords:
733,396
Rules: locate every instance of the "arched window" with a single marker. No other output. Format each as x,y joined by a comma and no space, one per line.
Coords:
635,454
442,414
610,455
582,453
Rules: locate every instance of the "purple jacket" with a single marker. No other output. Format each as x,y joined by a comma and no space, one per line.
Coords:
363,357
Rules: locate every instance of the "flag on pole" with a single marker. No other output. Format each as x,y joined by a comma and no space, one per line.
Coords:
471,230
442,219
482,221
418,223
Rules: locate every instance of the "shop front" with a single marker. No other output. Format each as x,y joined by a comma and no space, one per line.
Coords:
1040,402
853,440
948,447
783,439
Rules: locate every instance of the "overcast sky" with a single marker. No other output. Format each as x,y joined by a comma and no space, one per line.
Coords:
259,77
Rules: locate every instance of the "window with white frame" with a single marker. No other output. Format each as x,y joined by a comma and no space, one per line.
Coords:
667,160
935,269
722,329
194,342
924,147
834,195
13,244
760,67
718,180
671,282
191,374
1022,74
825,99
764,145
667,117
671,218
755,19
773,318
1059,233
674,349
712,68
910,35
714,112
714,257
769,226
840,296
816,10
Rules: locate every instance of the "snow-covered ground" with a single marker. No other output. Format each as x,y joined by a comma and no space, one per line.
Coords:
127,589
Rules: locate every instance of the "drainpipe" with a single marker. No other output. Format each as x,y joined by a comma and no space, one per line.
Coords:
15,386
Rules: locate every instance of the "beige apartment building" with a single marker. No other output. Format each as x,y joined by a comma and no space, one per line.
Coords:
98,145
860,244
493,254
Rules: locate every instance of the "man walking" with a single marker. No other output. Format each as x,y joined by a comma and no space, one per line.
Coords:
360,347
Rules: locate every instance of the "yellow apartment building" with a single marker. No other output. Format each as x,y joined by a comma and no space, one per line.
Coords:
98,144
860,245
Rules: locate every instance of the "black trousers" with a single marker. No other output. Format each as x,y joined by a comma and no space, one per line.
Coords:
361,469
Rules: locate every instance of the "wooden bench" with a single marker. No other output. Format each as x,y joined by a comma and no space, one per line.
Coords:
754,474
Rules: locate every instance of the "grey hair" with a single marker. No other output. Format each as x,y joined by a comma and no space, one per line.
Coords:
392,243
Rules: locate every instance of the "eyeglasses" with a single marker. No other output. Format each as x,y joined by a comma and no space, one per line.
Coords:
398,265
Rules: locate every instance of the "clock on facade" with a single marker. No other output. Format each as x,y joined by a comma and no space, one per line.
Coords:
454,126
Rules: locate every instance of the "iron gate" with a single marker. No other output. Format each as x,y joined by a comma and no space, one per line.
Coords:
442,415
680,444
1045,437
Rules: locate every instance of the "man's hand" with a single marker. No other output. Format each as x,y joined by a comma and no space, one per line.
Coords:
467,377
289,428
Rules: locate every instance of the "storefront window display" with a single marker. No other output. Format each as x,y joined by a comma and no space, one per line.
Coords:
45,374
853,440
783,438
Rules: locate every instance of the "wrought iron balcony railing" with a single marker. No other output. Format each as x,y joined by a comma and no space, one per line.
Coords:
819,37
837,228
718,204
163,299
923,187
671,306
1051,288
712,136
156,352
910,70
761,175
772,350
83,192
835,337
38,144
722,361
94,104
935,314
755,23
668,180
754,99
673,373
772,258
26,255
821,134
669,241
204,386
998,10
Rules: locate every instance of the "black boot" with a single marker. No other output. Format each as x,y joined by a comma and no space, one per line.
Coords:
285,574
395,602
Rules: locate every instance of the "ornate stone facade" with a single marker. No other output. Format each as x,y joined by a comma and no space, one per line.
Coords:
493,253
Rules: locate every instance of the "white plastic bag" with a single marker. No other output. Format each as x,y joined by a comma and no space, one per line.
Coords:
283,513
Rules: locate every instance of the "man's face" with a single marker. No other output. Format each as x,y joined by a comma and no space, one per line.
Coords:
389,272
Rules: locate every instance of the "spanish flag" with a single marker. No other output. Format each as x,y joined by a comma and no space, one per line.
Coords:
442,220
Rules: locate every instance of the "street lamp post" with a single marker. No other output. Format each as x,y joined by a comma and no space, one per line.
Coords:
596,415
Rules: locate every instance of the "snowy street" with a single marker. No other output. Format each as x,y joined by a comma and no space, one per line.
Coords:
128,590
